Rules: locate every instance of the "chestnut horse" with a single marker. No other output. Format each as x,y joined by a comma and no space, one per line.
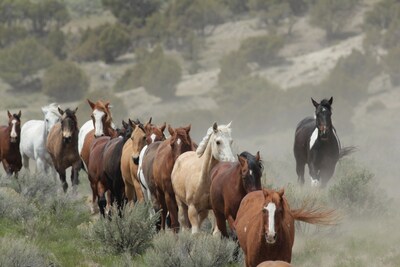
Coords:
191,175
165,156
230,183
265,225
10,137
62,145
141,136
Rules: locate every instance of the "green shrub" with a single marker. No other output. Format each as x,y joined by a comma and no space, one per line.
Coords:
21,252
186,249
355,191
129,233
392,65
88,48
14,206
233,67
11,34
65,81
55,42
262,49
81,8
20,62
113,41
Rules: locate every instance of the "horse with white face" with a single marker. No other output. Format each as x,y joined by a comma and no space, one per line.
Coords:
33,140
191,175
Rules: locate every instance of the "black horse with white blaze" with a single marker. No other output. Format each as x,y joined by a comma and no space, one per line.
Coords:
317,145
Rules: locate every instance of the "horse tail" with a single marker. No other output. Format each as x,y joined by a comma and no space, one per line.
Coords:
315,215
345,151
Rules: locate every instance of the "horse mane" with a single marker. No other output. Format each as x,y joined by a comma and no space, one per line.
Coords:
252,159
53,108
68,113
203,144
312,214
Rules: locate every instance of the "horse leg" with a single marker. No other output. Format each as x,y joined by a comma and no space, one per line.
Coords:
202,216
40,166
64,183
163,205
93,185
172,208
25,161
220,224
194,218
6,167
300,172
129,192
138,190
74,177
182,215
101,201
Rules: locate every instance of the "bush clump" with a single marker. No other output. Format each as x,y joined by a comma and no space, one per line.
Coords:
15,207
233,67
129,233
155,71
184,249
65,81
113,41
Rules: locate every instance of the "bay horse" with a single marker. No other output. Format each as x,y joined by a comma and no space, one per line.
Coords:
230,182
191,175
265,225
317,145
62,145
164,159
141,137
10,137
33,140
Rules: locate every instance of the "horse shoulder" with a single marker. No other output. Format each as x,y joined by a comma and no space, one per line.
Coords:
83,131
126,159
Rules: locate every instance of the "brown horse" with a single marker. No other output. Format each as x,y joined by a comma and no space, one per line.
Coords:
274,264
230,183
62,145
141,136
167,153
10,137
265,225
191,179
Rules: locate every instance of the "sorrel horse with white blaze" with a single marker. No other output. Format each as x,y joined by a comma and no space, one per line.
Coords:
317,145
33,140
231,181
62,145
265,225
191,175
142,136
10,137
164,159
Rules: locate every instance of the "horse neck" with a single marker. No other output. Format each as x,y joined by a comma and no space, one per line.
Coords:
208,163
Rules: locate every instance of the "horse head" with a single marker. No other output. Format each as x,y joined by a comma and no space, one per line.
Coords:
180,140
272,210
14,125
51,116
251,169
69,124
323,113
154,133
138,138
101,117
220,140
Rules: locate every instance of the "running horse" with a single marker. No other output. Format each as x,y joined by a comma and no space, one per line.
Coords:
164,159
191,175
317,145
231,181
265,225
62,145
10,137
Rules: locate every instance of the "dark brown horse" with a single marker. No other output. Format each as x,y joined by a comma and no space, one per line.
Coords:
10,137
62,145
265,225
164,159
231,181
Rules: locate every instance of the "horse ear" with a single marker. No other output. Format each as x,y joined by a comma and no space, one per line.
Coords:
229,125
132,123
330,100
171,130
315,103
150,120
187,128
44,110
60,111
76,109
91,104
9,114
162,128
258,156
19,114
215,127
124,124
281,192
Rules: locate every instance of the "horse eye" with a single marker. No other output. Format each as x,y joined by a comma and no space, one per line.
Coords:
144,137
218,143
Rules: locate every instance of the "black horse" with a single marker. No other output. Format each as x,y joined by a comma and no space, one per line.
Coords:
317,145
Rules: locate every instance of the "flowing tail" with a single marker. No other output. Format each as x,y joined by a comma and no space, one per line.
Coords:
315,215
346,151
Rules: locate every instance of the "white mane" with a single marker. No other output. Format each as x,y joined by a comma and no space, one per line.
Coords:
52,108
203,144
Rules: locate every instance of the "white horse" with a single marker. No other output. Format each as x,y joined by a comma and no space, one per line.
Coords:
191,175
33,140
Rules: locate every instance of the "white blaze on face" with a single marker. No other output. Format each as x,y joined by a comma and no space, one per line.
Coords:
313,137
271,207
98,125
153,137
179,141
13,130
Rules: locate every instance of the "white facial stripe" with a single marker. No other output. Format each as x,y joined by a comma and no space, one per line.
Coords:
271,207
98,131
179,141
251,172
153,137
337,139
313,137
13,131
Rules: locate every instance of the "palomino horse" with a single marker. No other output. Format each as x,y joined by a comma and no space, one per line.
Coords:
265,225
10,155
112,161
141,137
62,145
165,156
191,175
317,145
33,140
230,183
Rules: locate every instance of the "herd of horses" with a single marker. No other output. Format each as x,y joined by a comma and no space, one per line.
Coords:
177,176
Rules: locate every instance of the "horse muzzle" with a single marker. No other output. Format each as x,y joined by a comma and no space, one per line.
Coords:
67,140
13,139
270,238
135,160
